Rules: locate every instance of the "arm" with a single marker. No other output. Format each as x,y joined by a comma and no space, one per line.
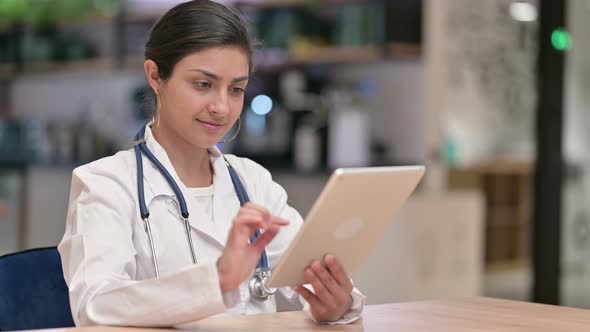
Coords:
98,258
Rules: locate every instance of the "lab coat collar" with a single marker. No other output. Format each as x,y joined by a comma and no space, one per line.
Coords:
222,190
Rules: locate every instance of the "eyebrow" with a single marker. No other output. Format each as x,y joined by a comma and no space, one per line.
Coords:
217,77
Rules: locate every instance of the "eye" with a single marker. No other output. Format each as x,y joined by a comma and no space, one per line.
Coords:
237,91
202,84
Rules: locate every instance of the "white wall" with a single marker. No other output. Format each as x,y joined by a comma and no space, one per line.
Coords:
46,205
11,189
397,110
491,97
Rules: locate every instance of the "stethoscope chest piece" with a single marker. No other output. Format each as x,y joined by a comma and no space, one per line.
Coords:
257,285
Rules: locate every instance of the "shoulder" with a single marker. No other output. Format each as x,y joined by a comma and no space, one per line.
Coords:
111,173
113,165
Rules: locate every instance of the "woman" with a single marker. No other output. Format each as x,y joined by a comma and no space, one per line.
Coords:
125,265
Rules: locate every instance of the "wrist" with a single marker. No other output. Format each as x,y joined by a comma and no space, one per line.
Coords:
344,310
350,302
222,277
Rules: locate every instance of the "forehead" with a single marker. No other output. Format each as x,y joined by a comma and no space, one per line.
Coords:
227,62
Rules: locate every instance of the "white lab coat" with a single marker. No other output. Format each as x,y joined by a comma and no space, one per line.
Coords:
106,255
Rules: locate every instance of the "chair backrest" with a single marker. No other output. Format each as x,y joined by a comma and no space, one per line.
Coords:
33,293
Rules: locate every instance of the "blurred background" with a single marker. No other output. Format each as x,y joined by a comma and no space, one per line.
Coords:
489,95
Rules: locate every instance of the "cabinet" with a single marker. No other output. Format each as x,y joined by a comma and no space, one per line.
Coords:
507,188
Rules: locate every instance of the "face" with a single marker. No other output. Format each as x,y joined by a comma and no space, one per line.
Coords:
204,96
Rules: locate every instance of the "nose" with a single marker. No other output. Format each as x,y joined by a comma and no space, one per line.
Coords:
220,104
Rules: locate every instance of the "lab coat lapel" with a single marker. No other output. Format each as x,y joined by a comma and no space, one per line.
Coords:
225,200
157,186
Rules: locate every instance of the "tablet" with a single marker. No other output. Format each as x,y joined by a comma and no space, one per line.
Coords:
347,220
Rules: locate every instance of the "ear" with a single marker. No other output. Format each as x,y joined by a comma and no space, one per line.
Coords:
151,72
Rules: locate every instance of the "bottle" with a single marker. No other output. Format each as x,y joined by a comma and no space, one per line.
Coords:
307,148
348,134
85,139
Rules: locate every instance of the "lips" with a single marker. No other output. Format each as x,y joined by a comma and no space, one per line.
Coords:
211,125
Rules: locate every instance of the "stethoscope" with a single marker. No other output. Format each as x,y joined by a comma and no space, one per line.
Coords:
257,284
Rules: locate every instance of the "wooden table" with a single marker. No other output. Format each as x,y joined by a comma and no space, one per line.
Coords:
480,314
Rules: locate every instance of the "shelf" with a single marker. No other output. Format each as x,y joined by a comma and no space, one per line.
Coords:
403,50
134,62
6,71
337,55
98,64
508,223
85,20
508,265
345,55
500,166
269,4
324,55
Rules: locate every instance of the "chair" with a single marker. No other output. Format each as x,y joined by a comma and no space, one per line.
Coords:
33,293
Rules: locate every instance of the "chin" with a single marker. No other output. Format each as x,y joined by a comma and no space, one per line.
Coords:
205,143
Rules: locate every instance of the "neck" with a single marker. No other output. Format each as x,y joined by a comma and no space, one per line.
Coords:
190,163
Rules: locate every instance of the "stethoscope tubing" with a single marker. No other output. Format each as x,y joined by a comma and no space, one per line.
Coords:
140,147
